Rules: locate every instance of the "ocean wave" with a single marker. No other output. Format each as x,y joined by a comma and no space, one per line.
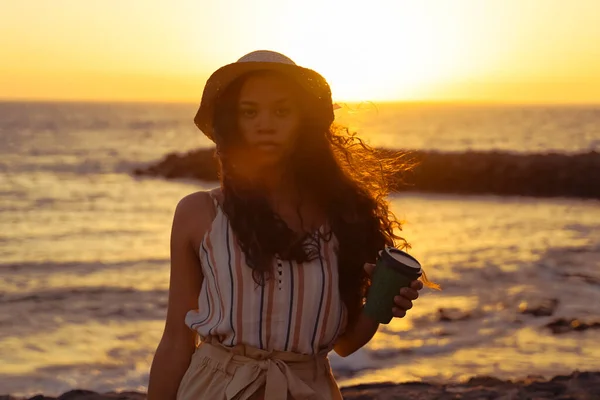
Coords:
78,165
24,314
129,295
54,267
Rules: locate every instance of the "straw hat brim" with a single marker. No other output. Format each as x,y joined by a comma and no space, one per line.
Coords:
309,79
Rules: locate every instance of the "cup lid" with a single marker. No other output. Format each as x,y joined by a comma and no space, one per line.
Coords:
397,255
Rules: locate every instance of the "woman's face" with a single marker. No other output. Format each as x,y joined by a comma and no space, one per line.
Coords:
268,117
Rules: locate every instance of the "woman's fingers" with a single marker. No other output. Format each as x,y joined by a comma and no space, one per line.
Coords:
398,313
409,293
403,303
416,285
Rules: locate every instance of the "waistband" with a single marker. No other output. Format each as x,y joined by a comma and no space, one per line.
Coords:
251,368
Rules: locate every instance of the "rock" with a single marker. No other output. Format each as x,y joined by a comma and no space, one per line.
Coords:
544,308
127,395
586,278
563,325
485,381
542,175
79,394
577,386
452,314
548,389
533,378
197,164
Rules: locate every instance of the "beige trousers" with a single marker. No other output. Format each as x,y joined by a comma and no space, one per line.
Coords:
243,372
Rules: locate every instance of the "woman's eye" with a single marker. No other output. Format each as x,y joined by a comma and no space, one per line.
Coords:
248,112
282,112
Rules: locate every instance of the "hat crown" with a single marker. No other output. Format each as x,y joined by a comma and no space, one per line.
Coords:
266,56
260,60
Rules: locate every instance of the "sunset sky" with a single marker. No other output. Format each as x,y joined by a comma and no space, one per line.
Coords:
442,50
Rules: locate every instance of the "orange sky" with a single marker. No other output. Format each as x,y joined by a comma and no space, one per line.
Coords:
467,50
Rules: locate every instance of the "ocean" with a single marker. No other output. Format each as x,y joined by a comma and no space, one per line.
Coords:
84,246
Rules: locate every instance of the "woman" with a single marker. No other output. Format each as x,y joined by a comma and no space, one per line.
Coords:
271,269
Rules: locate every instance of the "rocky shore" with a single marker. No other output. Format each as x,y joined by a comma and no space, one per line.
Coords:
538,175
577,386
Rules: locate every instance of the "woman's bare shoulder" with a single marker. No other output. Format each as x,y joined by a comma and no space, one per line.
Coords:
194,202
195,213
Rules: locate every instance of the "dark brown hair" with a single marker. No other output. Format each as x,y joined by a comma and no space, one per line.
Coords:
348,179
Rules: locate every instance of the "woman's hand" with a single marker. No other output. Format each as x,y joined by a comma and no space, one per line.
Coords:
365,326
403,302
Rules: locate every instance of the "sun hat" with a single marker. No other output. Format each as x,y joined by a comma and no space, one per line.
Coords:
258,60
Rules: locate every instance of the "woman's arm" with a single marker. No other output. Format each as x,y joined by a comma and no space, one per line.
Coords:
192,218
357,336
365,327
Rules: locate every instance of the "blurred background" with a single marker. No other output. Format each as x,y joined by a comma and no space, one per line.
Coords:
90,91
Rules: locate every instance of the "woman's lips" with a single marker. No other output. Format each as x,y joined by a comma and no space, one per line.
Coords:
267,146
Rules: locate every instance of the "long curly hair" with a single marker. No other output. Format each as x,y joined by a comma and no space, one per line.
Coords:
348,179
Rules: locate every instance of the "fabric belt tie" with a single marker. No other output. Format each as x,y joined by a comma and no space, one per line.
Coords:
277,377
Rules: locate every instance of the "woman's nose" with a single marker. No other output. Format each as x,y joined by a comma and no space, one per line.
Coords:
265,122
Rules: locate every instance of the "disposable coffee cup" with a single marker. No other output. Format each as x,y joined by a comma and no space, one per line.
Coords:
394,270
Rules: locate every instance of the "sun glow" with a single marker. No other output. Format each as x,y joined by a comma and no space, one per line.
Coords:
498,50
385,52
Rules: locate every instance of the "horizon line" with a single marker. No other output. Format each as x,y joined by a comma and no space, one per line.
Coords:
473,102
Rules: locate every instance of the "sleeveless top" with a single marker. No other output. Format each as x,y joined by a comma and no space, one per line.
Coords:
298,309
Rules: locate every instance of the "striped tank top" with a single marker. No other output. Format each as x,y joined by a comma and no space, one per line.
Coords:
299,309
